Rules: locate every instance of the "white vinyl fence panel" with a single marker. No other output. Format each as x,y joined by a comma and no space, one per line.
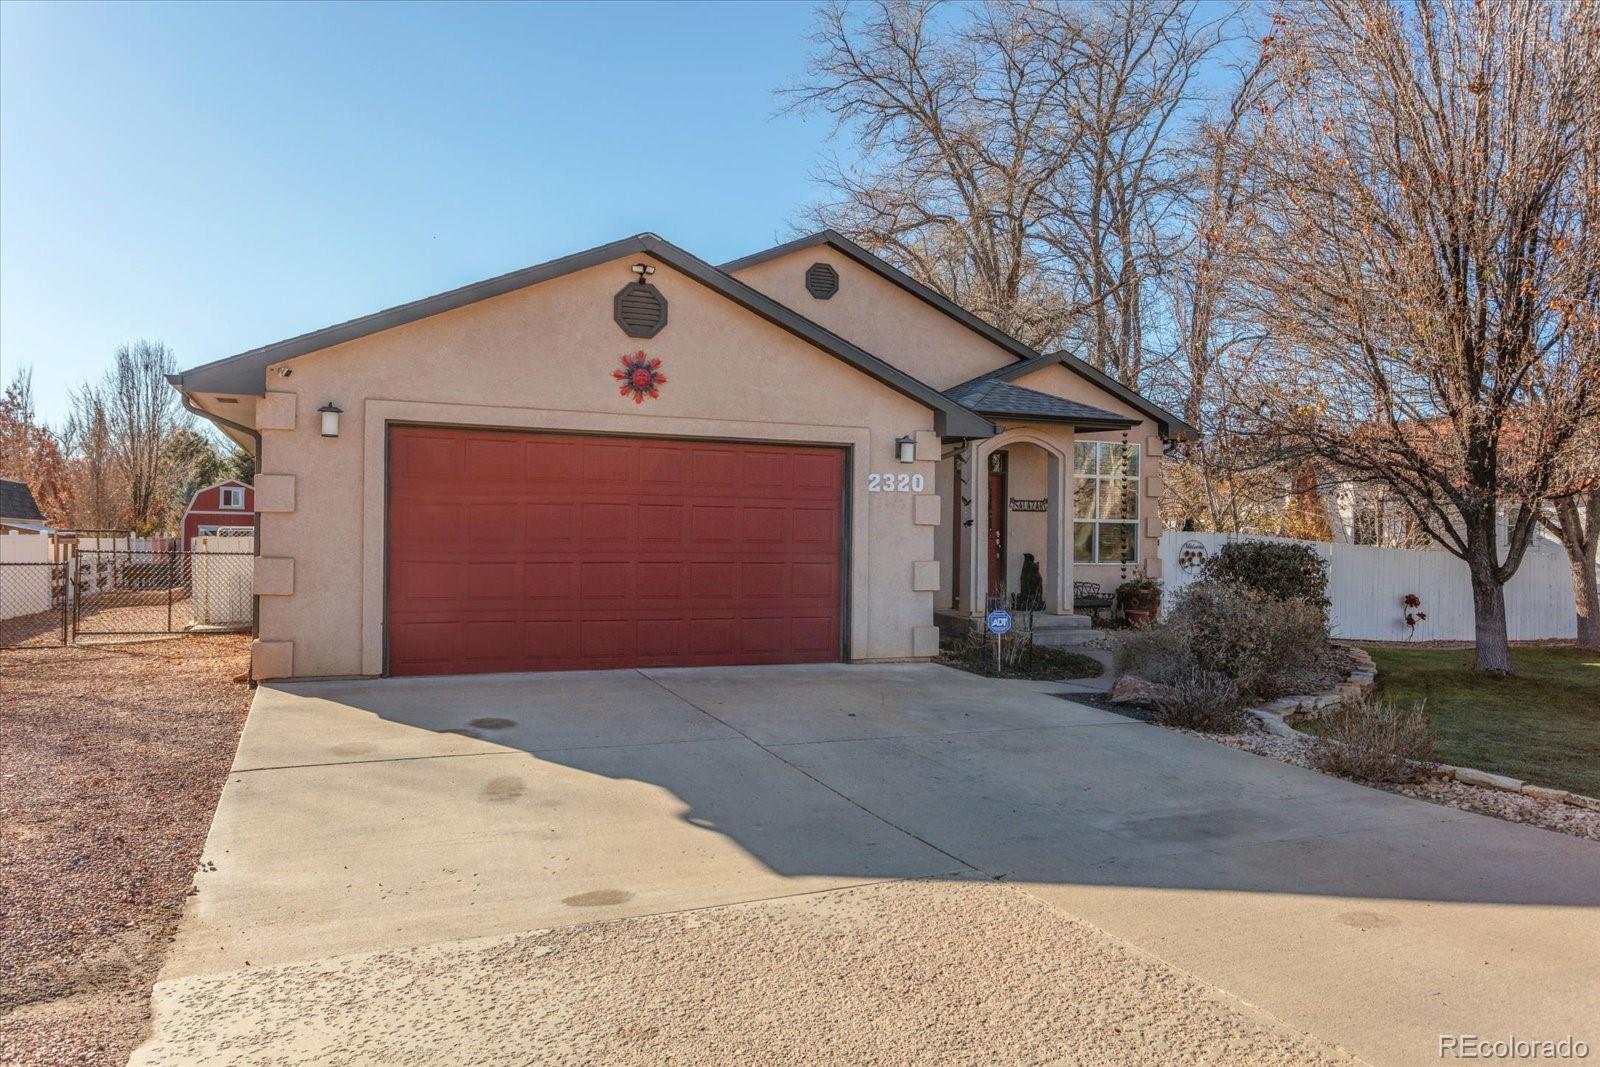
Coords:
221,573
24,590
1365,585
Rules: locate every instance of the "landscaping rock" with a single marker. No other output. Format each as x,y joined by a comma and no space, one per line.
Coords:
1539,792
1472,776
1131,689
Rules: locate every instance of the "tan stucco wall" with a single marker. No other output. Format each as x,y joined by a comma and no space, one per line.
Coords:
880,317
541,358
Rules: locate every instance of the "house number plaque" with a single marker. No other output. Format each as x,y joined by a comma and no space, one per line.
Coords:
1018,504
896,483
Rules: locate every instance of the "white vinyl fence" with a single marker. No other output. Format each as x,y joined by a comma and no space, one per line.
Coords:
24,574
1365,585
221,573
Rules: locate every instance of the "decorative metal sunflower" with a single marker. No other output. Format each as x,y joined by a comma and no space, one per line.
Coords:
639,376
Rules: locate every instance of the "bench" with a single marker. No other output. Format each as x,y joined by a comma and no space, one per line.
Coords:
1087,596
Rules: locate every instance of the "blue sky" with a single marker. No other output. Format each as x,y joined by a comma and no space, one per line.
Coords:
220,176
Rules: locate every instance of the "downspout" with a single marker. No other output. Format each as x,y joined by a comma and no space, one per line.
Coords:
255,436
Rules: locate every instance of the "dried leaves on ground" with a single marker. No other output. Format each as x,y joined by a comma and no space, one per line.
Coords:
111,761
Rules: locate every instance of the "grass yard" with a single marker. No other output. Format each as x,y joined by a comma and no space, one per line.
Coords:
1542,726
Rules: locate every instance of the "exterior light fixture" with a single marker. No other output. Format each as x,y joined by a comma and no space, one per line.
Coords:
330,419
905,449
643,270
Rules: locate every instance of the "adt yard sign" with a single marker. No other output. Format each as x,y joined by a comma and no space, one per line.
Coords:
999,622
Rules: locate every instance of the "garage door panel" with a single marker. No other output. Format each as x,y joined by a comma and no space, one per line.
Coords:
663,523
606,522
549,581
492,461
713,523
572,552
769,524
549,524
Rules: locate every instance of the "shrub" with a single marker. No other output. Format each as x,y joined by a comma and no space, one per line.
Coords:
1155,653
1204,700
1274,571
1236,633
1373,741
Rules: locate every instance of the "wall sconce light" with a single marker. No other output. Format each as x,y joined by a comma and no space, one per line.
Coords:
330,419
905,448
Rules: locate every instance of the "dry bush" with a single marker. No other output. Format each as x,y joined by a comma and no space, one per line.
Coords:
1246,637
1374,741
1206,701
1155,653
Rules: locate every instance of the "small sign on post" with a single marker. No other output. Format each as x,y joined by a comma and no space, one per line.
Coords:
998,622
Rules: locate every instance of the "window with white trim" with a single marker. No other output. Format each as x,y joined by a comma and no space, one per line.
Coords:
232,498
1105,526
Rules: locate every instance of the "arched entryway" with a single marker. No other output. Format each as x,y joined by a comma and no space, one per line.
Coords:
1014,492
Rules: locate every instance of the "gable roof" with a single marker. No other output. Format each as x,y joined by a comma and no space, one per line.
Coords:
1170,425
1001,399
245,373
16,501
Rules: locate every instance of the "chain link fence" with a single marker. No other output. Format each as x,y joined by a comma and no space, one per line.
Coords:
34,604
120,592
104,593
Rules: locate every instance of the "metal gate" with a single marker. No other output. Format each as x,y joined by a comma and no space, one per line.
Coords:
131,593
34,604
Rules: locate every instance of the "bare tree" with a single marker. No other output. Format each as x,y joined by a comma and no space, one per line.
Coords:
97,496
1417,266
959,147
120,432
1126,78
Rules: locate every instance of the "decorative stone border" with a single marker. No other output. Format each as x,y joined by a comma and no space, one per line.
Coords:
1276,716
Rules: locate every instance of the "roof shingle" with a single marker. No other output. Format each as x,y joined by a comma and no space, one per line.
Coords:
1000,399
16,501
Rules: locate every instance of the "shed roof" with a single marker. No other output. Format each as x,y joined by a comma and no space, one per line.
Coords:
16,501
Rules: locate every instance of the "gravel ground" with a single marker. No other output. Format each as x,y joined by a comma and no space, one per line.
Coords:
896,973
1513,807
111,761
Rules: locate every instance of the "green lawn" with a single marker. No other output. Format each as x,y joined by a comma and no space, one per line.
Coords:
1542,726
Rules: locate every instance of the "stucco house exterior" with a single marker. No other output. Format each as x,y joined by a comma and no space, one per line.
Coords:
225,509
630,457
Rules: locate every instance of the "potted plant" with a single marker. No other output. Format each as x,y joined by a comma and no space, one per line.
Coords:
1139,600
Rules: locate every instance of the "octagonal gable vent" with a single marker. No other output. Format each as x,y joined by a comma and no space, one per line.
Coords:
822,281
640,310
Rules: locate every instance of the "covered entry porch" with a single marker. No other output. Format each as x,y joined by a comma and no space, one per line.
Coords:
1041,516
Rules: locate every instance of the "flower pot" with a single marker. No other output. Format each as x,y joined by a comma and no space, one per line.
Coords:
1140,616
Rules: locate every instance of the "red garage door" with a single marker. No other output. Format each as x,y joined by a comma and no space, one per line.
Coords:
530,552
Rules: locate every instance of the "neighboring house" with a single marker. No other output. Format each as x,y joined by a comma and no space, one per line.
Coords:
630,457
225,509
18,510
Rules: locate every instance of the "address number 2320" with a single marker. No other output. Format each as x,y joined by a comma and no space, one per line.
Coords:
895,483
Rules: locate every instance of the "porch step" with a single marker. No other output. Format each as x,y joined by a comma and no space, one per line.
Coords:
1069,637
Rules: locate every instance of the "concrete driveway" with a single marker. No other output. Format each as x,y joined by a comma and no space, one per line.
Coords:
375,817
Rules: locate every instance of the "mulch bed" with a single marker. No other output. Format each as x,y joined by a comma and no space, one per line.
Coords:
111,761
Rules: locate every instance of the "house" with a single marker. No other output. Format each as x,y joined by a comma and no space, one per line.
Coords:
630,457
226,509
19,512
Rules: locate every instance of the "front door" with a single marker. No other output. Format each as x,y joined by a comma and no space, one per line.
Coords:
997,529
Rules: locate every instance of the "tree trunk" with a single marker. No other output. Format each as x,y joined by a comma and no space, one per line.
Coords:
1489,612
1587,593
1580,536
